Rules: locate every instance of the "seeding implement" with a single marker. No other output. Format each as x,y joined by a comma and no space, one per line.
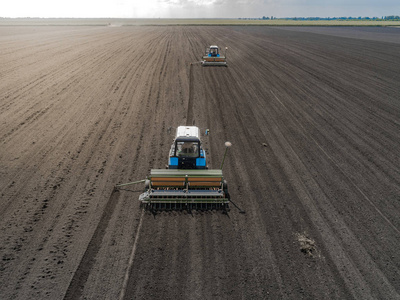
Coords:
180,189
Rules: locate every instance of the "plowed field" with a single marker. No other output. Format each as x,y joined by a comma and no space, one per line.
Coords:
314,119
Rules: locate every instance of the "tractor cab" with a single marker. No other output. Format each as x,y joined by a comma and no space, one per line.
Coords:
187,147
213,51
186,151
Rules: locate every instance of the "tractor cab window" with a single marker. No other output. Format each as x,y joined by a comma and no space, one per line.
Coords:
187,149
214,51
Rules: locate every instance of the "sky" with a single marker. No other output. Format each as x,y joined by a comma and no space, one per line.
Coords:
197,8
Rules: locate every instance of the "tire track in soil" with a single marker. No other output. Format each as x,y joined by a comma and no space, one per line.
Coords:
77,284
189,116
131,258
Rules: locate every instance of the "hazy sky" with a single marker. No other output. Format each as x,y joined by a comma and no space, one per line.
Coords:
197,8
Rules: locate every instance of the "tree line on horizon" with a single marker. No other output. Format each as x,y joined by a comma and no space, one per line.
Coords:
385,18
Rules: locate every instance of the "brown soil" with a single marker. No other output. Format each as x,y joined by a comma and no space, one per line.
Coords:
315,127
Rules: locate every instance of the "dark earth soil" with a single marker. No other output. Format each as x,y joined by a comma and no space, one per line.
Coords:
314,119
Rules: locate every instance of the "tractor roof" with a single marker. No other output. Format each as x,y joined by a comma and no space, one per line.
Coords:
188,131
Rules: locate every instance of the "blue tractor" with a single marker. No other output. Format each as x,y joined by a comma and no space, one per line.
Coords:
187,183
213,57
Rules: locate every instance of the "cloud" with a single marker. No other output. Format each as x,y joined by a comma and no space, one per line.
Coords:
197,8
212,8
185,3
198,3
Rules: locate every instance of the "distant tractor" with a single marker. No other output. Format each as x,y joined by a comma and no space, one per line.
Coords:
213,57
